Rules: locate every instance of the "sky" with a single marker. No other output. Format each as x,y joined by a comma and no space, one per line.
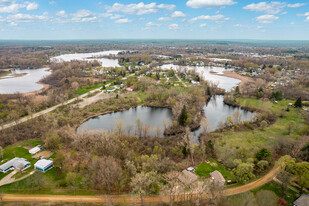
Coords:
154,19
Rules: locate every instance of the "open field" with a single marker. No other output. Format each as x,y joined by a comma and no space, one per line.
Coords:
244,144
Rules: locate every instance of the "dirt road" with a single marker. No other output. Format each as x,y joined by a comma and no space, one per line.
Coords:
87,102
130,199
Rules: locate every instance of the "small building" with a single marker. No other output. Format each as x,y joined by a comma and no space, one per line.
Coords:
187,178
35,150
43,165
190,169
130,89
303,200
111,90
217,177
15,163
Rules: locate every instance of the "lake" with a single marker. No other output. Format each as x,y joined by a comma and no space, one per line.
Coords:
105,62
25,83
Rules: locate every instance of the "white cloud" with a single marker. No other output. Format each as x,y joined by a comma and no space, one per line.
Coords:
139,9
6,2
197,4
266,19
203,25
83,16
273,7
297,5
239,25
259,27
13,8
32,6
52,2
177,14
305,14
218,17
164,19
169,7
26,18
292,23
151,24
123,21
115,16
62,14
307,19
173,27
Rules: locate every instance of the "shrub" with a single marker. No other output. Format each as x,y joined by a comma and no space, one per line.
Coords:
264,124
248,125
263,154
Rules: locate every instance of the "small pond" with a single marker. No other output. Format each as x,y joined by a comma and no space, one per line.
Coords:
153,117
217,111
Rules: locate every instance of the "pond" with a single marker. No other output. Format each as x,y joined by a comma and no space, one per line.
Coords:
152,121
105,62
25,83
217,111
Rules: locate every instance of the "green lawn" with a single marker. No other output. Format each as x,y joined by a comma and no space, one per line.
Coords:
87,88
290,196
244,144
17,150
204,169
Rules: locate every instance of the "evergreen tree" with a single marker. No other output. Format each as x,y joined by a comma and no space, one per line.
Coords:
298,102
182,120
208,92
237,90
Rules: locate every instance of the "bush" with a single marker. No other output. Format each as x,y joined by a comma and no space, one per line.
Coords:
263,124
263,154
248,125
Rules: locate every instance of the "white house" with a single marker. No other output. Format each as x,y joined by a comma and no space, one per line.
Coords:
15,163
43,165
35,150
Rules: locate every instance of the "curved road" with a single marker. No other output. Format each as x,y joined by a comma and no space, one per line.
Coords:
131,199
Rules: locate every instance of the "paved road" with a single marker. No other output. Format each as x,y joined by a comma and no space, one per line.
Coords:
22,120
130,199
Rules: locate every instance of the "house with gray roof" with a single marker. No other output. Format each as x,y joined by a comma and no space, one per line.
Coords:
303,200
15,163
217,177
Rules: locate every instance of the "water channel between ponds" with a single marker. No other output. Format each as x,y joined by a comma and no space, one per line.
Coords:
215,110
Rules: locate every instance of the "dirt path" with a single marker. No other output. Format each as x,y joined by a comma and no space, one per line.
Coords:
22,120
244,79
130,199
181,80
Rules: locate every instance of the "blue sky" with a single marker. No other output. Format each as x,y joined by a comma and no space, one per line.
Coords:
159,19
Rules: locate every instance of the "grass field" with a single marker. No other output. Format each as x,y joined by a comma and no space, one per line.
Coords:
244,144
204,169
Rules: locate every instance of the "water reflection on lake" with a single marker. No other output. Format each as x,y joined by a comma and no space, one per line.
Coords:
154,117
105,62
25,83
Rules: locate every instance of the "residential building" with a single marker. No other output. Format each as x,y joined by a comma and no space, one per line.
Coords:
303,200
15,163
217,177
43,165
